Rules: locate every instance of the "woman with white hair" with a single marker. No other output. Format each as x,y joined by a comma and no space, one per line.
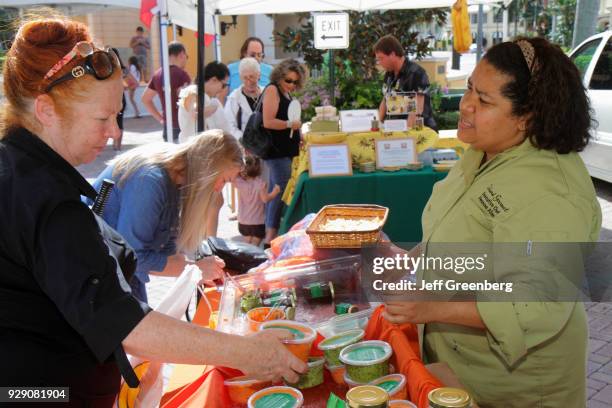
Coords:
242,101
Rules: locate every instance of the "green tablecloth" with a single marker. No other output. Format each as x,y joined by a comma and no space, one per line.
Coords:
404,192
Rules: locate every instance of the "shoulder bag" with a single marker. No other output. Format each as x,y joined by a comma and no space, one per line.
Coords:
255,138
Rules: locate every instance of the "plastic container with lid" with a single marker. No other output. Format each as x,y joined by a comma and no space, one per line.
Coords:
394,384
276,397
337,373
332,346
350,382
312,377
259,315
401,404
367,396
241,388
367,360
448,397
303,336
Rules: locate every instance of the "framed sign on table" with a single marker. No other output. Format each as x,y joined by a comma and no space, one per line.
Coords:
329,160
395,152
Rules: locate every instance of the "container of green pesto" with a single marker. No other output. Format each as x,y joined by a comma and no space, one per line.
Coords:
312,377
367,360
332,346
394,384
276,397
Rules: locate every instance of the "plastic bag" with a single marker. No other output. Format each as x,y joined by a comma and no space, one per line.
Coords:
174,304
238,256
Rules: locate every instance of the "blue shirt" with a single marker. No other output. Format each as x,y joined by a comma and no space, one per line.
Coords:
144,209
234,79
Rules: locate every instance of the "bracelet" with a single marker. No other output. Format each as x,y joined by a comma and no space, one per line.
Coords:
288,124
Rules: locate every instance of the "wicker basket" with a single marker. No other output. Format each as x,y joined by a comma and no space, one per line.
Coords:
346,239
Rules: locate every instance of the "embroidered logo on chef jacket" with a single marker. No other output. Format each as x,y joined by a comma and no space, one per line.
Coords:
492,202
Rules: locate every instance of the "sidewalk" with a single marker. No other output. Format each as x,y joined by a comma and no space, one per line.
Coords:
599,370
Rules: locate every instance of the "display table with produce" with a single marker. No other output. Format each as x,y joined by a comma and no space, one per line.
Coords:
404,192
346,346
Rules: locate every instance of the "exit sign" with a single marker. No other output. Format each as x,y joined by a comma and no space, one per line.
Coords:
331,31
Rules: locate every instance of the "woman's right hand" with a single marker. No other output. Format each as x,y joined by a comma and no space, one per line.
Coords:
268,359
211,267
296,125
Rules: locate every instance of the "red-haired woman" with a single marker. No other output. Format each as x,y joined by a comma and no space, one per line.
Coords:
64,308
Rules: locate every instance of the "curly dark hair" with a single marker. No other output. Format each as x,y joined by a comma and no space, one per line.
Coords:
251,168
552,95
280,71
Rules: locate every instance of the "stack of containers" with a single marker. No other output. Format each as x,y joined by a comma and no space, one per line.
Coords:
366,361
331,348
326,120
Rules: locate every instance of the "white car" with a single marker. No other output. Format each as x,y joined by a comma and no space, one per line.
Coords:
593,57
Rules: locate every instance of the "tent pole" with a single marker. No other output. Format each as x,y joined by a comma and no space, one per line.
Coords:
201,64
217,37
163,25
479,35
332,79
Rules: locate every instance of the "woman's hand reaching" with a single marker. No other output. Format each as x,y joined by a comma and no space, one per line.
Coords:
268,359
212,269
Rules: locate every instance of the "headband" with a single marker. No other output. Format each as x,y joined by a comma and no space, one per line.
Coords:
529,55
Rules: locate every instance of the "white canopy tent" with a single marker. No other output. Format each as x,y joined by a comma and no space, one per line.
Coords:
226,7
185,12
72,7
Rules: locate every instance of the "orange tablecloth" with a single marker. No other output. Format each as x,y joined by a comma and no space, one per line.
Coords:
202,386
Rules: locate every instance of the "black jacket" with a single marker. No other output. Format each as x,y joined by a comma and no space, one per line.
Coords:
64,308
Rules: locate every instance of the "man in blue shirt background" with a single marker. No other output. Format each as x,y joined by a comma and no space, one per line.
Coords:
252,47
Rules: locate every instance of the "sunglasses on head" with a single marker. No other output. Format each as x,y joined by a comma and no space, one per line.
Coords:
99,63
291,81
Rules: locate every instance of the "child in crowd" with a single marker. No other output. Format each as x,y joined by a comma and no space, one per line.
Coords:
252,196
133,80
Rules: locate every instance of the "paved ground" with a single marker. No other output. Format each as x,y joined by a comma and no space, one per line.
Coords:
144,130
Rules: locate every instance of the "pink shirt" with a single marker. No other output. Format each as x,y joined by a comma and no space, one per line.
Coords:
250,206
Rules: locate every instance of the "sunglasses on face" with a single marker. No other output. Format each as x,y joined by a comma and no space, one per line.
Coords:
256,55
291,81
99,63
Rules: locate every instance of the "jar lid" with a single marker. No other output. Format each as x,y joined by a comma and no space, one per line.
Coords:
367,396
390,383
341,340
297,334
448,397
366,353
302,333
276,397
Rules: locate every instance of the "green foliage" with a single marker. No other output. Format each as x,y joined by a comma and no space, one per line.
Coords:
7,29
365,29
446,120
358,81
315,93
350,93
565,10
582,62
358,94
